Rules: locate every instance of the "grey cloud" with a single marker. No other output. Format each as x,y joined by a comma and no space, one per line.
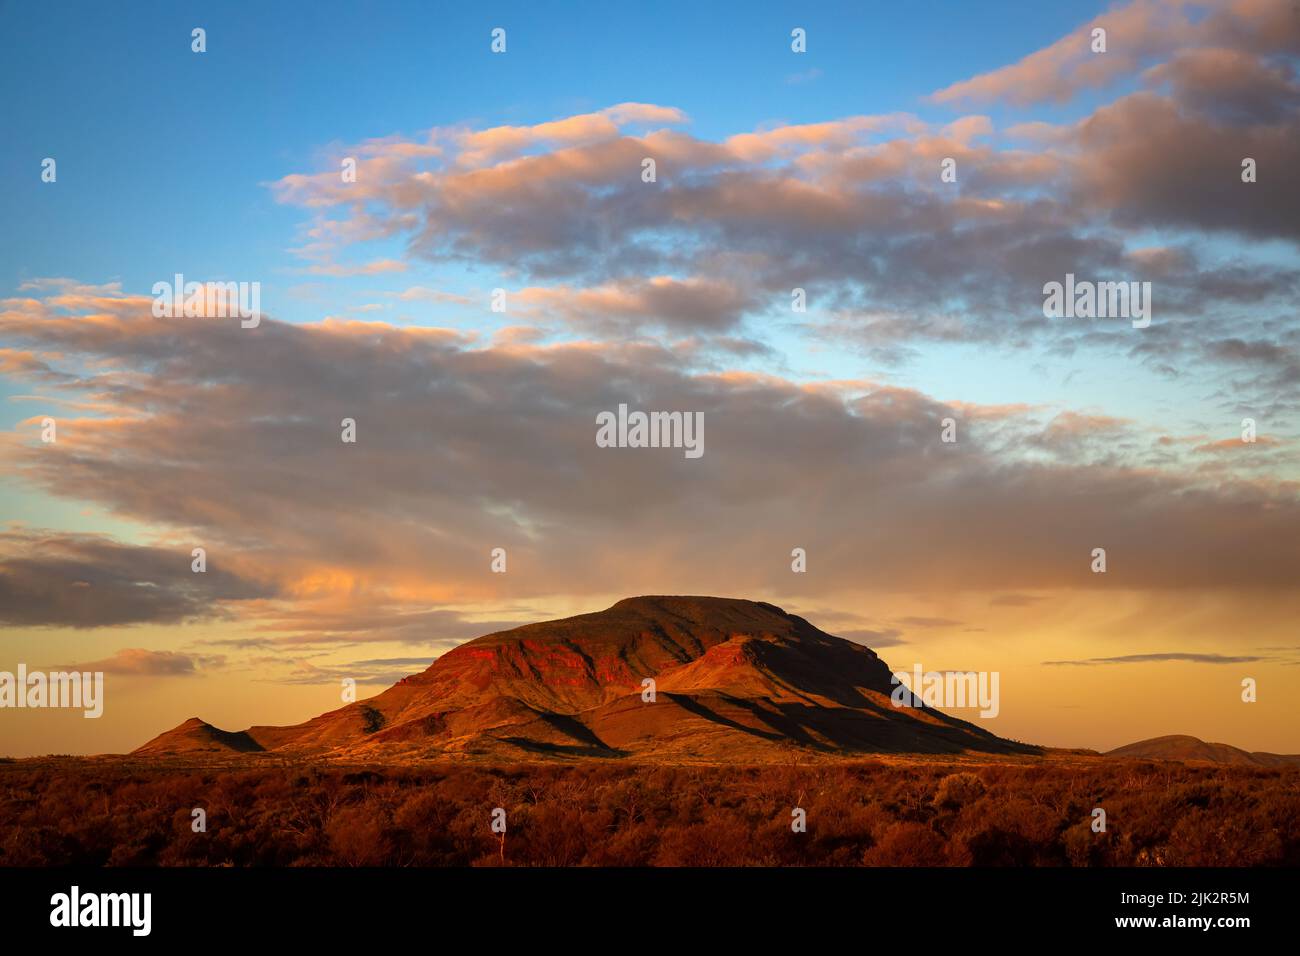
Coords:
1163,658
68,580
461,449
140,662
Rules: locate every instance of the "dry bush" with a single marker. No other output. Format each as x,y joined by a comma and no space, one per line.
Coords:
958,790
76,812
907,844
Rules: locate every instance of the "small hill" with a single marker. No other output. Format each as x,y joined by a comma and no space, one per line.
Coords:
196,736
1184,747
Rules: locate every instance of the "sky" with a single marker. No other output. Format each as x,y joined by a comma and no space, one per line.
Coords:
524,171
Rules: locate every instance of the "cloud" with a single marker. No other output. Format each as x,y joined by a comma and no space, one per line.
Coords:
365,620
231,437
1152,161
396,662
1233,445
376,267
1015,600
1234,85
1163,658
379,671
1058,72
75,580
139,662
660,301
418,293
1136,34
853,211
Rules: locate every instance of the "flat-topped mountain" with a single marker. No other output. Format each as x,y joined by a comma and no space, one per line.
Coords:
732,680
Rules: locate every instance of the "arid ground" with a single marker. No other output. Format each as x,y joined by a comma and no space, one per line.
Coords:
974,811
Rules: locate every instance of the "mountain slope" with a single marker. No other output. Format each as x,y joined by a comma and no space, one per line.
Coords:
733,680
1183,747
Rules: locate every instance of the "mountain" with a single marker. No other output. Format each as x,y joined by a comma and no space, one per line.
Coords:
1183,747
735,680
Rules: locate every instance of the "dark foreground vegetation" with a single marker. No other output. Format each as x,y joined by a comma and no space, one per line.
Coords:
862,813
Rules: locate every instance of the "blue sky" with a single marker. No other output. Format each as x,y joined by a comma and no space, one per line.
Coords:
165,156
216,166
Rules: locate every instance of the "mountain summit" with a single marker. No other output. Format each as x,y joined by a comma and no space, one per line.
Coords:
732,680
